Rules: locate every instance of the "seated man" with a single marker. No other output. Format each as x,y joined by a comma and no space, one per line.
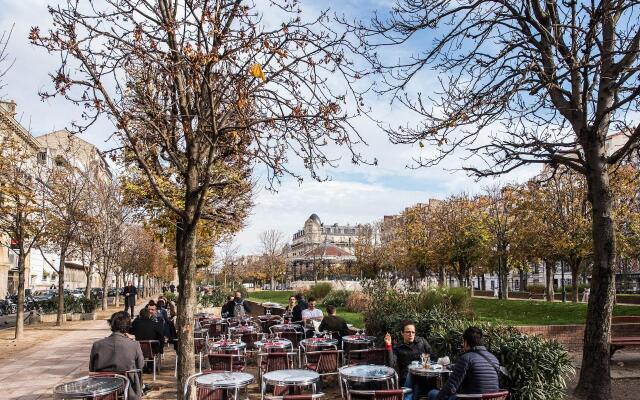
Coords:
119,353
227,308
290,307
402,354
299,307
240,307
333,323
311,315
145,328
475,372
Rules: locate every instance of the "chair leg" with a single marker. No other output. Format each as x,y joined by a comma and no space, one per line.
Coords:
154,369
175,371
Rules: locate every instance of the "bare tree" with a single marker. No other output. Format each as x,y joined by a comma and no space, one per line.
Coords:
525,82
66,194
5,64
272,242
22,206
200,92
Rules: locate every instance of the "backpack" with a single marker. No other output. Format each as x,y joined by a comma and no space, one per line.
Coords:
238,309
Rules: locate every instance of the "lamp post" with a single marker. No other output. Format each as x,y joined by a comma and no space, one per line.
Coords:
564,289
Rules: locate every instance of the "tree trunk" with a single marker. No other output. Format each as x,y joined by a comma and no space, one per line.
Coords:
441,276
185,249
595,379
105,299
61,317
116,301
549,271
575,266
21,276
87,288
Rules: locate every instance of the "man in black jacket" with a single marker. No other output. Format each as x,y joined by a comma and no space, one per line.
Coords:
299,308
475,372
239,308
130,293
145,328
333,323
402,354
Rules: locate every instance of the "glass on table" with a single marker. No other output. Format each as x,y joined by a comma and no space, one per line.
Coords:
424,358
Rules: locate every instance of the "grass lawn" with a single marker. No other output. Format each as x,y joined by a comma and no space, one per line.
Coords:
282,297
524,312
508,312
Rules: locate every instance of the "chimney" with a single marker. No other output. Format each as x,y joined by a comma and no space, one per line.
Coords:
9,107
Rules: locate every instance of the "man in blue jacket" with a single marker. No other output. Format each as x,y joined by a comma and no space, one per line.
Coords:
475,372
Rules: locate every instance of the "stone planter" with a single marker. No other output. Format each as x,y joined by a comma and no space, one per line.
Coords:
48,317
88,316
73,317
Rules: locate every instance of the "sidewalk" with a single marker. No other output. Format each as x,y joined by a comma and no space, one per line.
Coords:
33,373
48,356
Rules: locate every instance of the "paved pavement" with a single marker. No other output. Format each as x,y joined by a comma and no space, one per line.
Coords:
32,374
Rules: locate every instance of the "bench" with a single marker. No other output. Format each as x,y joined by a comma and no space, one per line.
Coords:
629,337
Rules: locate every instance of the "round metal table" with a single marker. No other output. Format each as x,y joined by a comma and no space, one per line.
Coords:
290,377
286,327
274,344
221,380
365,374
226,345
90,387
240,329
434,370
319,342
358,339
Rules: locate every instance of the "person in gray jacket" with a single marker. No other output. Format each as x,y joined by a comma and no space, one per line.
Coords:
119,353
475,372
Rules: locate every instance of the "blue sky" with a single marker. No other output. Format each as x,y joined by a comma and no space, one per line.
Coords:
352,195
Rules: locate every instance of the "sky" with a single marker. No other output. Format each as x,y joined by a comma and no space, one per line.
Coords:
351,195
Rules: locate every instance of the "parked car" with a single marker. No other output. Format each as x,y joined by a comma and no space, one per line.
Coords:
96,293
77,293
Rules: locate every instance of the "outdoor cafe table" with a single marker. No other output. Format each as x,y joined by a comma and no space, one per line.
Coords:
319,342
286,327
434,370
358,340
269,344
242,329
226,345
200,332
90,387
224,380
367,374
289,377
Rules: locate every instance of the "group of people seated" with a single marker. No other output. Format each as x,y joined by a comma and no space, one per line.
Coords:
120,353
475,372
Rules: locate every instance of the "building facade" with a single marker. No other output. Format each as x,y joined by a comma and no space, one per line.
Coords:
11,128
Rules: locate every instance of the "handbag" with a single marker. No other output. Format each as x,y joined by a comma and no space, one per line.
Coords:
504,378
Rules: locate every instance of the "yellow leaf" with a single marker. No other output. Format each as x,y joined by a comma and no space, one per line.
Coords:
256,71
421,144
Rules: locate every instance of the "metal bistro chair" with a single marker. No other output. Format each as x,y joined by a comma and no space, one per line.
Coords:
366,356
388,394
250,340
217,328
151,355
328,362
226,362
275,361
199,345
501,395
310,396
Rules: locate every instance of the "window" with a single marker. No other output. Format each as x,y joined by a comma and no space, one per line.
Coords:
42,157
493,285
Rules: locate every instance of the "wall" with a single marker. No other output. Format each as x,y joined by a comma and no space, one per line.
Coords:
571,336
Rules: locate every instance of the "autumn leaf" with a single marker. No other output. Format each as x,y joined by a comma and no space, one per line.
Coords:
256,71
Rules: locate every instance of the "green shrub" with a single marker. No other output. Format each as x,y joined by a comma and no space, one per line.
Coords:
336,298
72,304
173,297
357,302
215,298
451,299
48,306
538,367
319,290
89,305
536,288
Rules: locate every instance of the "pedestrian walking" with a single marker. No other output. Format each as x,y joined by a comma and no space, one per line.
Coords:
130,293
